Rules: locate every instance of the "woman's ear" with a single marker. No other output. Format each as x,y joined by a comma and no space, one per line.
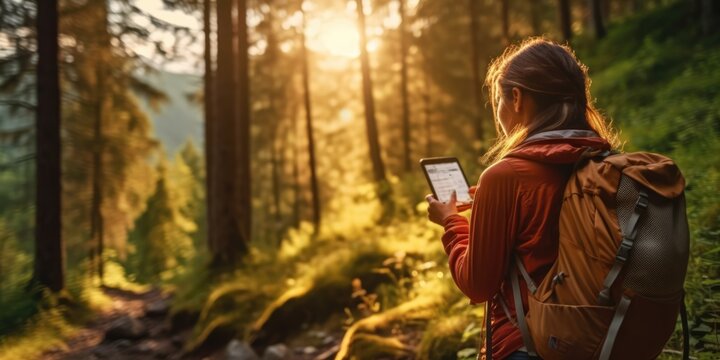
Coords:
517,99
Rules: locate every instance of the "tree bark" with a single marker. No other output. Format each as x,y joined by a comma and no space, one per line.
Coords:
208,102
49,269
505,16
428,113
96,216
708,16
404,87
535,17
564,19
378,166
596,19
309,130
475,67
243,184
296,167
103,106
227,243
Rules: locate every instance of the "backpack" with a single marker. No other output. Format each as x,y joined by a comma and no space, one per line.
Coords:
616,287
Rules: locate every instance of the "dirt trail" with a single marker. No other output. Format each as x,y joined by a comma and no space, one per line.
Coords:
154,342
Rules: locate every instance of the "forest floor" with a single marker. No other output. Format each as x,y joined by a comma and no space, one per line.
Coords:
137,327
134,328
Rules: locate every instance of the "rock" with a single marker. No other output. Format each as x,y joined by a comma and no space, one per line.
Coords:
329,353
177,341
160,349
238,350
328,340
126,328
122,344
276,352
101,352
159,330
183,319
158,308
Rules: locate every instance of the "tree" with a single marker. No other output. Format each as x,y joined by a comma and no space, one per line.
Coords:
242,181
564,19
227,241
49,249
189,180
505,16
535,17
208,105
309,127
404,86
596,18
107,137
475,69
161,233
708,13
378,167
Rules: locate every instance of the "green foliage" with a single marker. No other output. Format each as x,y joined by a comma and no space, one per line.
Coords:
443,338
161,241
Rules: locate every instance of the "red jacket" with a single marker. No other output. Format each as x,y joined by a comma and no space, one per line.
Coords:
515,211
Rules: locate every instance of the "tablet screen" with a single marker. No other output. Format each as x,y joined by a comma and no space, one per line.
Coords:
446,177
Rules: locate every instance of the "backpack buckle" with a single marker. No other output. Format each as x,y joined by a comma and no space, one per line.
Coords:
642,202
624,250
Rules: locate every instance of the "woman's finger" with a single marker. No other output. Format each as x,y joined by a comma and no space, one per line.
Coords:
453,198
429,198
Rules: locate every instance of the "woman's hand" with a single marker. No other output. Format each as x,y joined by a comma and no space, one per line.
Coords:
463,207
438,211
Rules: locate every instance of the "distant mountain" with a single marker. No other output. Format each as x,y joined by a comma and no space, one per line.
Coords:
178,119
175,121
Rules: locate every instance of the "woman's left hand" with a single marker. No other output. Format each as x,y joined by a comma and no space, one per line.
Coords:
438,211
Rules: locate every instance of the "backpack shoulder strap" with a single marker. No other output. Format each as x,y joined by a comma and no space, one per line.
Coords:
519,310
628,240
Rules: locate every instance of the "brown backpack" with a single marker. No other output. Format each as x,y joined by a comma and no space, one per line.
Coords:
616,288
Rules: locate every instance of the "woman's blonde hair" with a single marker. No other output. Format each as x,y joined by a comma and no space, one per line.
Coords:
558,83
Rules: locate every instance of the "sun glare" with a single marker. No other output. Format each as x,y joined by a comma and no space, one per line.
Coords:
337,37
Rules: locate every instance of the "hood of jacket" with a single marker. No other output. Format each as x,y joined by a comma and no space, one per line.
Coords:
560,146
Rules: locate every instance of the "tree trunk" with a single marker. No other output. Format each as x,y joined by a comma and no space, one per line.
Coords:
208,102
606,10
505,16
638,5
404,87
564,18
370,121
535,17
595,17
227,243
708,16
428,113
296,168
97,225
271,53
103,106
309,130
243,183
49,251
475,67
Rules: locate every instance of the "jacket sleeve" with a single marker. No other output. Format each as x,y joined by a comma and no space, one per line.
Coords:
479,251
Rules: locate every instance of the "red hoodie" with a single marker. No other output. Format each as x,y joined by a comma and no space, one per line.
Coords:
515,211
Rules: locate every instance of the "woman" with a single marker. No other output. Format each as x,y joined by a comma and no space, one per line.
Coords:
540,94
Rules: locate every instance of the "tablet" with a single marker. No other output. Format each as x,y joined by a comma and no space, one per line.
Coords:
444,174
